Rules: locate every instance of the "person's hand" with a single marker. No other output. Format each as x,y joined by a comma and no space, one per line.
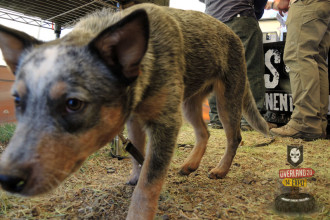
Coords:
282,6
269,5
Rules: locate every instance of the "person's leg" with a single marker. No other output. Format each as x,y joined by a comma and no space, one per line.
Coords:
213,113
247,28
321,59
307,25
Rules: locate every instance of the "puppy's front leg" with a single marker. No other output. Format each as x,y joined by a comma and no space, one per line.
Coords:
162,139
137,136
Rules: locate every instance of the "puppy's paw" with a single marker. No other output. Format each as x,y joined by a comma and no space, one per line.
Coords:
186,170
134,177
217,173
132,182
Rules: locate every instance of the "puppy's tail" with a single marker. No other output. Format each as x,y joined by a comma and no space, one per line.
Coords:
251,113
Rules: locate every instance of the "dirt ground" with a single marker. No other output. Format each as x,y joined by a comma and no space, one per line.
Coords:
98,189
7,112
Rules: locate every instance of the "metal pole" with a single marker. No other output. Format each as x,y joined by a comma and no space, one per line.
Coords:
57,30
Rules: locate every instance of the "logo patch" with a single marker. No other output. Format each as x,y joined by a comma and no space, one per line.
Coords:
295,154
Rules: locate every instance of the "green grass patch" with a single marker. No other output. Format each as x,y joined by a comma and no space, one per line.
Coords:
6,132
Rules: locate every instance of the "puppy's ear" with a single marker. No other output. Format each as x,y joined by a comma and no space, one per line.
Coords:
13,43
123,45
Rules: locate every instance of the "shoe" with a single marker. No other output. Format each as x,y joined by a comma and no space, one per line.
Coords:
215,126
246,128
287,131
271,125
324,135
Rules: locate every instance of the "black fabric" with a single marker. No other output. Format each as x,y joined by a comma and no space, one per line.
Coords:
259,6
225,10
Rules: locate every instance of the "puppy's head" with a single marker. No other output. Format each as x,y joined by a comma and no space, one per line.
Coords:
70,100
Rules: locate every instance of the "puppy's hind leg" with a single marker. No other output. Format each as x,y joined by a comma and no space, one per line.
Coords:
137,136
192,108
229,104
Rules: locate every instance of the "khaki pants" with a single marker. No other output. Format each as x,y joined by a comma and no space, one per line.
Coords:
305,53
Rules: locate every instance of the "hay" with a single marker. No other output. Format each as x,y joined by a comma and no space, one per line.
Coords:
98,189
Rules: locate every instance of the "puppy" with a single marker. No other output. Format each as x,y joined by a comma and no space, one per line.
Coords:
143,66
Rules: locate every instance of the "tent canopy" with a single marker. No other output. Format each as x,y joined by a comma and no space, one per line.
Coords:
63,13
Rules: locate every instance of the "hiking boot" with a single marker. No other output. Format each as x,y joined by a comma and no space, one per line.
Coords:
215,126
287,131
246,127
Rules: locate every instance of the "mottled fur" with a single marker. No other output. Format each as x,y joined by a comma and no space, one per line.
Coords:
141,66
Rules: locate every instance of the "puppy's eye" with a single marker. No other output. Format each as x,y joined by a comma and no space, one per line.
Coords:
74,105
17,100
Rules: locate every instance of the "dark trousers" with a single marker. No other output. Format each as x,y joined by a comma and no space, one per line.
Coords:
248,30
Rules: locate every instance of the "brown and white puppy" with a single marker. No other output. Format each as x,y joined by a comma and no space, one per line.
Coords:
141,66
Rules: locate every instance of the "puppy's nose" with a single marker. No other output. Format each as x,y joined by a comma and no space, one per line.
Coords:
12,184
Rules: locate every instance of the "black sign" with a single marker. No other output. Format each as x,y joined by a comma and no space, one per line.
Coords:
278,98
295,154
